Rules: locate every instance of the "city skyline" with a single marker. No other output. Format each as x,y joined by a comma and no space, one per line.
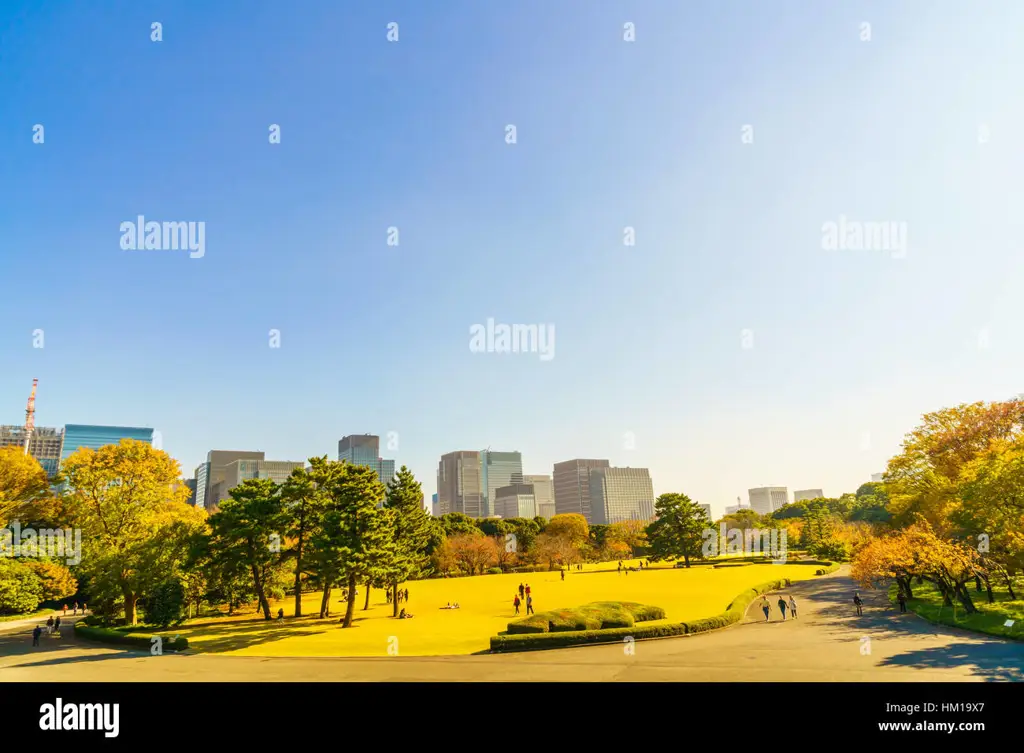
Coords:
726,347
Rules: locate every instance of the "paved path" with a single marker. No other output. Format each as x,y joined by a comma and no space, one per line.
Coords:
827,642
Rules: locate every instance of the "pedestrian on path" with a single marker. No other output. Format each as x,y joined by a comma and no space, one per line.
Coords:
76,603
65,610
562,571
529,605
56,625
902,599
859,603
765,607
792,606
36,632
782,607
49,626
516,603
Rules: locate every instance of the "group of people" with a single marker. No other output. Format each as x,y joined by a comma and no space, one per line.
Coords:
451,606
75,609
766,607
524,594
52,628
401,595
643,564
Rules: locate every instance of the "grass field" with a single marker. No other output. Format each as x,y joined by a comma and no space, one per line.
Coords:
485,610
991,618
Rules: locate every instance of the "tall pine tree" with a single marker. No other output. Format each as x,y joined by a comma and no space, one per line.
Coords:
411,531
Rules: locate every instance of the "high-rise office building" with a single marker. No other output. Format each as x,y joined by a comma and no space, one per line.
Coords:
190,484
77,436
460,484
364,449
515,501
766,499
210,476
618,494
730,509
802,494
571,481
707,510
277,471
44,444
498,469
433,505
544,494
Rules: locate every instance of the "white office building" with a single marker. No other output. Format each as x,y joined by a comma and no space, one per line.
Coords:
766,499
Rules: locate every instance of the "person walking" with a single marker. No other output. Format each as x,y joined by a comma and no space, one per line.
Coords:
407,594
527,590
516,603
782,607
859,603
85,604
792,606
522,593
36,632
529,605
902,599
49,626
563,573
75,609
56,625
65,610
765,607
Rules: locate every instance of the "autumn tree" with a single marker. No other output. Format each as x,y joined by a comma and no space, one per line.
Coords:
570,526
23,483
473,553
631,533
122,497
555,549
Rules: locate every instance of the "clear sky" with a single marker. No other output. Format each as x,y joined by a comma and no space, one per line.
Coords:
923,124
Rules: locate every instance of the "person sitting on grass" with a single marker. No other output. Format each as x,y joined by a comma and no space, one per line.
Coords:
280,614
404,616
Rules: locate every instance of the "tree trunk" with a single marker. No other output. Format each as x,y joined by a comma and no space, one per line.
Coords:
686,560
977,583
1009,586
130,599
351,606
366,604
965,599
298,574
394,600
258,582
325,602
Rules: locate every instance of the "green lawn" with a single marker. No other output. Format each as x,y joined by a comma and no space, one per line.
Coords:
991,618
485,610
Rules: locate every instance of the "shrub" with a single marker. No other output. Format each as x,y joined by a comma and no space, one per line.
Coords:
140,640
599,615
832,567
495,571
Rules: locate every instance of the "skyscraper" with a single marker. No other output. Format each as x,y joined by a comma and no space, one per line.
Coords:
618,494
802,494
768,499
515,501
77,436
571,480
460,483
44,444
433,505
364,449
544,494
210,476
498,469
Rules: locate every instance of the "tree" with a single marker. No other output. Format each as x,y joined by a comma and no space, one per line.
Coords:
55,580
167,604
456,523
555,549
121,496
357,531
300,498
744,520
443,558
23,482
20,588
244,532
526,531
473,553
678,530
570,526
631,533
411,532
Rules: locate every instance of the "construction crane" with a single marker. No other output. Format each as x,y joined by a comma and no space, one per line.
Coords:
30,415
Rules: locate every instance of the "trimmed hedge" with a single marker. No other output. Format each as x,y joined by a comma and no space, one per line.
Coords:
597,616
534,640
732,564
140,640
832,567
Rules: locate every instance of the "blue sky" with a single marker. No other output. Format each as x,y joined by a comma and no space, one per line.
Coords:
849,347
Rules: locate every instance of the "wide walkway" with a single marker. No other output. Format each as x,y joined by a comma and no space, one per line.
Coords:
827,642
